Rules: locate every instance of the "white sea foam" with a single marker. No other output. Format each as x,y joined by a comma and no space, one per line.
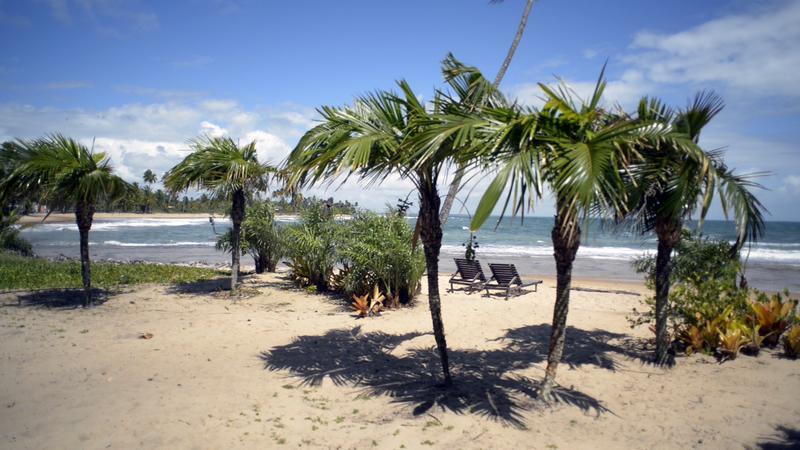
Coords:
616,253
158,244
128,223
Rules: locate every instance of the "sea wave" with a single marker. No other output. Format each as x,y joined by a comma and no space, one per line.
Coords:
132,223
617,253
158,244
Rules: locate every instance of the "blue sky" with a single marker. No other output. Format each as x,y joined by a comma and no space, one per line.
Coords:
143,77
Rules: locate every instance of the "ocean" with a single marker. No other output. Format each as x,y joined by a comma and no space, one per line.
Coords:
772,264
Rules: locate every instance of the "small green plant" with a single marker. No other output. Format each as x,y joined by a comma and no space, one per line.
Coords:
731,341
261,237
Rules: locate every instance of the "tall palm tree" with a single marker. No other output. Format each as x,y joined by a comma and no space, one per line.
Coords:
65,173
670,183
373,139
456,183
149,177
221,166
573,147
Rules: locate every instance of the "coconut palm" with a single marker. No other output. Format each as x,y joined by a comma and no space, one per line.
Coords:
670,183
573,147
149,177
373,139
221,166
65,173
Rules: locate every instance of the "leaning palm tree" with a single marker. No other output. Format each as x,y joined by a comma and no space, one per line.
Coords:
456,183
669,184
64,173
221,166
573,147
373,139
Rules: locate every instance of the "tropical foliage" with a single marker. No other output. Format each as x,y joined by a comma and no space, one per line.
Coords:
221,166
671,177
10,239
375,250
61,172
261,237
311,248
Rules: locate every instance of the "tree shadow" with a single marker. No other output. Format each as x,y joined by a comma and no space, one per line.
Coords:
202,287
485,382
59,298
787,438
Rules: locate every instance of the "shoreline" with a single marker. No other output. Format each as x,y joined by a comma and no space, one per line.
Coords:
35,219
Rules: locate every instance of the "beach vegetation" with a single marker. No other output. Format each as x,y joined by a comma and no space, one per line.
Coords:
369,304
378,136
311,248
672,179
376,250
573,146
25,273
219,165
10,238
773,315
261,237
791,341
61,172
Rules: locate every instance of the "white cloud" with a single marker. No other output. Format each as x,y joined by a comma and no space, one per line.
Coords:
626,90
757,52
212,130
791,184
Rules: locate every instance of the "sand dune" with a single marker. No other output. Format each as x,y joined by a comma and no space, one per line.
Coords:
287,368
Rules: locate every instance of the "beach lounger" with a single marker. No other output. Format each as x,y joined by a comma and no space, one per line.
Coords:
469,274
506,278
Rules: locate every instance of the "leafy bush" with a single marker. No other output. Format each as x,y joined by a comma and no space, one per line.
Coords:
10,239
703,279
311,248
261,237
707,311
376,250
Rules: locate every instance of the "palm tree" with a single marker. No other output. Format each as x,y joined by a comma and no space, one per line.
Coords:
149,177
374,138
65,173
455,185
574,147
670,183
220,166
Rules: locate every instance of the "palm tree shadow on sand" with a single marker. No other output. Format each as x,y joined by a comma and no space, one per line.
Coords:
57,298
485,382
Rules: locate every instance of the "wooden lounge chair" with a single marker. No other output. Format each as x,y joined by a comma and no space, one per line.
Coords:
506,278
469,274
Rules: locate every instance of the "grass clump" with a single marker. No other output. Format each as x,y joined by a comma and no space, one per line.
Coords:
18,272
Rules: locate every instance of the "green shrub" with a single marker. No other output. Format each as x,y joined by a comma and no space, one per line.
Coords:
10,239
311,248
375,250
261,237
703,283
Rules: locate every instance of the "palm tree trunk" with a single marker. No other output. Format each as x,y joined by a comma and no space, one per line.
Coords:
514,44
566,236
431,234
455,185
237,217
669,234
84,213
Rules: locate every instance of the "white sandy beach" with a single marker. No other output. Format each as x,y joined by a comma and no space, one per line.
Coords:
283,367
